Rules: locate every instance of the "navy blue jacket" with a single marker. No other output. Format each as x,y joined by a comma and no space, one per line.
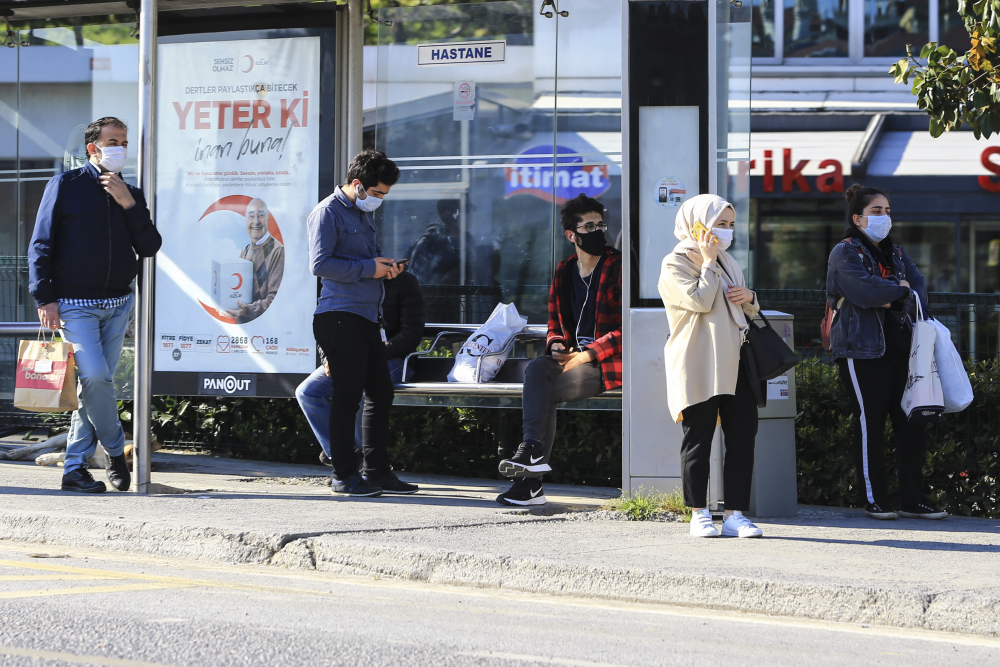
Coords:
856,332
84,245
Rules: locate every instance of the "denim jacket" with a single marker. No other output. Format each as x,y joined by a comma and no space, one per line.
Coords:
851,274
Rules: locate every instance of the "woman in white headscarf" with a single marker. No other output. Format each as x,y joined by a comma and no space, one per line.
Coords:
708,305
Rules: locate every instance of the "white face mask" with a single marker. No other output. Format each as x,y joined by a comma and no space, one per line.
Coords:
724,235
368,204
878,227
113,158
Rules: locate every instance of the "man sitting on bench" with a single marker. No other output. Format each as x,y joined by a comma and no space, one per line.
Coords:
584,345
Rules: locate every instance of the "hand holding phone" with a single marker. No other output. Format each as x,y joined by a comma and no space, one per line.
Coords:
699,230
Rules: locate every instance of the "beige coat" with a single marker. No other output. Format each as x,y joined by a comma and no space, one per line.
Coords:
703,350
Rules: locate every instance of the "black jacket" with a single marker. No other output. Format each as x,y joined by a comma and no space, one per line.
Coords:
84,245
403,310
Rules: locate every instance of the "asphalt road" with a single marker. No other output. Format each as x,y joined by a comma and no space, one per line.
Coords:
94,609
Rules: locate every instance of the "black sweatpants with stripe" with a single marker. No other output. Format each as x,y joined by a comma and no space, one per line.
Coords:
875,387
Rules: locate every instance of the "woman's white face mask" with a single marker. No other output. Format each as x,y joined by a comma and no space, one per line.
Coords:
878,227
724,235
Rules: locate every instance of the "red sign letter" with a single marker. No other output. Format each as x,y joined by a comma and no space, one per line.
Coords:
261,110
793,175
768,173
831,181
222,106
182,113
288,113
985,182
241,114
201,116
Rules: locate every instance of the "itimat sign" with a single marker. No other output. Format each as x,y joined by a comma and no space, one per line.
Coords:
462,53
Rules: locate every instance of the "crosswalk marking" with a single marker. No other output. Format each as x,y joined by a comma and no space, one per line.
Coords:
55,577
79,659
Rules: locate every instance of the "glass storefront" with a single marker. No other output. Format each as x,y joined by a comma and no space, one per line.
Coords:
490,150
816,28
68,74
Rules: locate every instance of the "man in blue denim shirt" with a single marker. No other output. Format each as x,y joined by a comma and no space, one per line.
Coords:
348,324
81,263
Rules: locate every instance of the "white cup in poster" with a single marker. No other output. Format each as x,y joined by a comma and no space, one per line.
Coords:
237,172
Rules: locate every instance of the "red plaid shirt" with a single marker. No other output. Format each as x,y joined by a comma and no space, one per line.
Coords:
608,345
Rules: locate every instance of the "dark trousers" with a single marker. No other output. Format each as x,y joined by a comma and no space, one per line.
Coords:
875,388
358,365
739,426
545,387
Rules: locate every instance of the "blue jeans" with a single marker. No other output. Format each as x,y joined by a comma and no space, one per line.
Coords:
314,394
96,334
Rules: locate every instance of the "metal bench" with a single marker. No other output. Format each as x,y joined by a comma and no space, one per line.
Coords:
429,385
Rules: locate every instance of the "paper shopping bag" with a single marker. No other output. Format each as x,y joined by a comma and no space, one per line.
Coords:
46,376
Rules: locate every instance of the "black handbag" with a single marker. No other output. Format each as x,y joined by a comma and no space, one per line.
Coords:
771,356
764,356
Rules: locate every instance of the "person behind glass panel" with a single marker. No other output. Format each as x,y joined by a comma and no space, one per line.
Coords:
584,345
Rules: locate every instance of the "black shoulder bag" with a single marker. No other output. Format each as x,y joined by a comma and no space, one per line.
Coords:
764,356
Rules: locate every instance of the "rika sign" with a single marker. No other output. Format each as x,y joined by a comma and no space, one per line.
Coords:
533,175
830,181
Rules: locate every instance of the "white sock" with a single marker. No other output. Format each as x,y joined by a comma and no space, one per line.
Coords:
737,513
704,511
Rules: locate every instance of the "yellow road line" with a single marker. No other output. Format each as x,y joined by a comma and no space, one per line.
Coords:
171,581
6,595
55,577
80,659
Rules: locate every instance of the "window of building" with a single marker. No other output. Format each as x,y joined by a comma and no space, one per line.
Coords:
816,28
891,25
853,30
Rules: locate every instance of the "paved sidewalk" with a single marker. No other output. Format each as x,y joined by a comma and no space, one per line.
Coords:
826,563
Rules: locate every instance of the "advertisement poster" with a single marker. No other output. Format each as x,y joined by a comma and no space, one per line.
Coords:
236,177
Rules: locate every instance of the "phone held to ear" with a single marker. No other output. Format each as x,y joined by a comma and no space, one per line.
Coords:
698,229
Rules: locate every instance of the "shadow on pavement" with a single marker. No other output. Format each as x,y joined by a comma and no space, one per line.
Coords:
899,544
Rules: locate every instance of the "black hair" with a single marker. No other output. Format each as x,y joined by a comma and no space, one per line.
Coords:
372,167
573,210
858,197
448,210
93,131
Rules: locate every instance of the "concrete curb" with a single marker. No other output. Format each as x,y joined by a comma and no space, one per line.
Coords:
345,553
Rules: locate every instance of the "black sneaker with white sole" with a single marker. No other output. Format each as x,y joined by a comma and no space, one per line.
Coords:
921,511
523,492
877,511
527,462
389,483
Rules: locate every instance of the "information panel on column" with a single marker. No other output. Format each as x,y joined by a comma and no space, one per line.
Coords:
237,173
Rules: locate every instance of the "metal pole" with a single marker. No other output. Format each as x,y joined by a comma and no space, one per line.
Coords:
355,74
142,434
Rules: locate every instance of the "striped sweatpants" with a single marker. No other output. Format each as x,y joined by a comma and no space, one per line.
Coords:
875,388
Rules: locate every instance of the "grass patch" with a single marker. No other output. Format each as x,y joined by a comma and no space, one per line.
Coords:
641,504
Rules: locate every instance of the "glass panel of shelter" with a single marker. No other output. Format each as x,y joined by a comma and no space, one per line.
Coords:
490,150
733,44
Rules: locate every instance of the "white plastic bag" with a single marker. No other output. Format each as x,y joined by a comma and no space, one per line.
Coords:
490,342
954,378
923,399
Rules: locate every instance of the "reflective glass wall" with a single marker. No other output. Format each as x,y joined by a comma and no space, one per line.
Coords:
50,90
491,145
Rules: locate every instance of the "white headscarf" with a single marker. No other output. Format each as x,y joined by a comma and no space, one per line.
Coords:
707,209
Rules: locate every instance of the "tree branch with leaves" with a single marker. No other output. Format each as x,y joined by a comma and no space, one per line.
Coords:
955,88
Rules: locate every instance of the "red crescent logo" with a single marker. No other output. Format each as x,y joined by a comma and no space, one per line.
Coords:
251,64
240,283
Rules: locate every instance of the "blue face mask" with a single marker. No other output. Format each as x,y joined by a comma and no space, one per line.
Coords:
878,227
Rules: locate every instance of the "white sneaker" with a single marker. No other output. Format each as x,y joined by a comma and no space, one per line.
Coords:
738,525
701,524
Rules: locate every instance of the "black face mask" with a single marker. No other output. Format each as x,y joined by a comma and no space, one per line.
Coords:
592,243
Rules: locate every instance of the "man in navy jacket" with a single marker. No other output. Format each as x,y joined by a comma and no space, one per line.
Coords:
81,264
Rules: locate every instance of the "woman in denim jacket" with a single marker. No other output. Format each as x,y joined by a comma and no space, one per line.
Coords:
871,285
